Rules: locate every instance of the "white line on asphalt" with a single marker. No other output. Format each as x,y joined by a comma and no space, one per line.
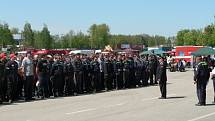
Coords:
201,117
110,106
147,99
81,111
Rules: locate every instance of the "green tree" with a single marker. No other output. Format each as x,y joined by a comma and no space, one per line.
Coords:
28,35
99,35
180,37
6,37
46,38
37,38
14,31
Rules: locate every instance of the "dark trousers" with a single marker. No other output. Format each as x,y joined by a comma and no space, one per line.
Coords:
69,85
2,95
78,82
43,88
145,77
108,81
201,91
86,81
132,80
119,80
58,85
20,85
11,86
162,85
28,83
126,78
95,81
101,81
151,76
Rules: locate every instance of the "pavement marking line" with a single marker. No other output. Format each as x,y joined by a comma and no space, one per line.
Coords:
147,99
201,117
115,105
81,111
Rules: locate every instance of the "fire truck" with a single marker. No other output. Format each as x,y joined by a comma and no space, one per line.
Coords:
184,52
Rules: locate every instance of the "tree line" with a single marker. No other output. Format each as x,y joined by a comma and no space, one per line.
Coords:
97,37
202,37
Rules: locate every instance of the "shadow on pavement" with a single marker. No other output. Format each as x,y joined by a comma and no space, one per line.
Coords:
176,97
212,104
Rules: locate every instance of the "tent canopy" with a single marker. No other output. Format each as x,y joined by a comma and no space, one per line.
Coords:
152,52
205,51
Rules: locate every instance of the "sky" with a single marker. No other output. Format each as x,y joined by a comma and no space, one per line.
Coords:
130,17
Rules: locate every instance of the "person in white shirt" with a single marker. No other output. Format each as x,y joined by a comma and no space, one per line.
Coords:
28,73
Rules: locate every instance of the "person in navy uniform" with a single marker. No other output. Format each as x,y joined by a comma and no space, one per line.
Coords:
69,74
95,74
86,73
161,77
2,77
78,72
201,77
108,70
119,72
42,71
57,76
11,77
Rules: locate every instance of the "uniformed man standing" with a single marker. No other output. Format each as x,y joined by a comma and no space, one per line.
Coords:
86,73
2,78
138,70
42,71
201,77
162,77
126,72
95,74
153,68
78,71
101,73
119,72
12,74
69,74
57,76
132,81
108,70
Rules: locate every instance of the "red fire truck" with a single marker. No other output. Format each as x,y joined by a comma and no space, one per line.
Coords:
184,52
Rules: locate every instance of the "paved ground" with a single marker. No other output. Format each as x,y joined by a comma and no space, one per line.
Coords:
140,104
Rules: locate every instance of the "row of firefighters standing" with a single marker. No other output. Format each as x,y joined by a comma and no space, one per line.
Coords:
72,75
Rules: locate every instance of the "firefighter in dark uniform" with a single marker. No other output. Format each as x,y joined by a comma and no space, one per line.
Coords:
126,72
201,77
12,74
162,77
138,70
86,73
101,73
108,70
119,72
2,77
132,81
78,71
43,71
94,74
114,73
152,68
69,75
57,76
145,73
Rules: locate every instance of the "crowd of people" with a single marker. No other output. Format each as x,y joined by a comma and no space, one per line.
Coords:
37,77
